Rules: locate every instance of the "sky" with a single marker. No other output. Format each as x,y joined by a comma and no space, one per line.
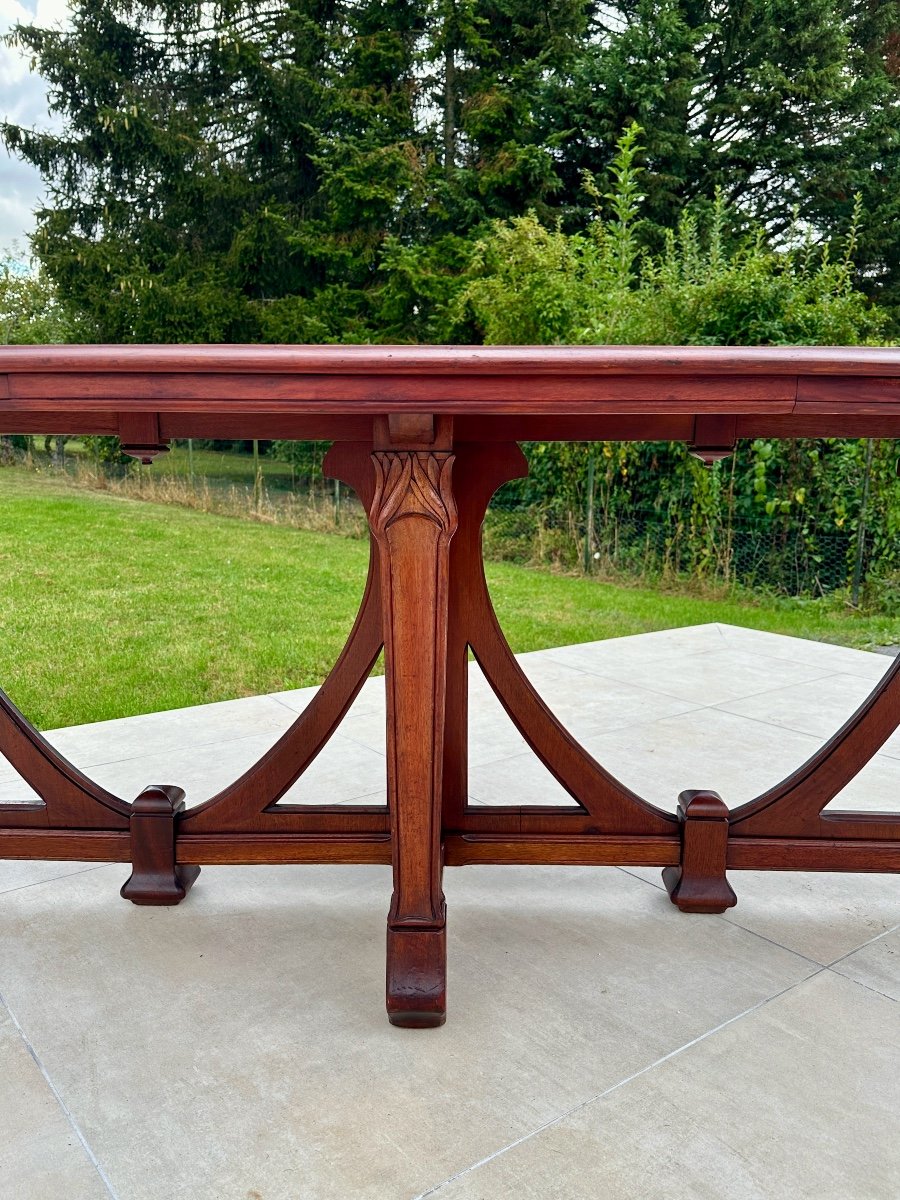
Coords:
23,100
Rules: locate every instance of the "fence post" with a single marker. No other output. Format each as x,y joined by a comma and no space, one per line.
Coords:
589,516
861,526
257,476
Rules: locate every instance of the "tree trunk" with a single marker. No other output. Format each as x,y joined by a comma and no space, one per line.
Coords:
449,108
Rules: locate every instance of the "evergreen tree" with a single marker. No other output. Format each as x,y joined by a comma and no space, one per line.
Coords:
220,169
783,104
314,170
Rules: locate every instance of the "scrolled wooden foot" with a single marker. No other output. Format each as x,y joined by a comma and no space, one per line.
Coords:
699,884
155,876
417,977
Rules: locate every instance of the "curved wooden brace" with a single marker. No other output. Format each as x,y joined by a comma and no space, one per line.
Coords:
794,806
250,803
69,798
613,807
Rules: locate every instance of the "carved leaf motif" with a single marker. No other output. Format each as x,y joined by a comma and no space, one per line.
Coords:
413,483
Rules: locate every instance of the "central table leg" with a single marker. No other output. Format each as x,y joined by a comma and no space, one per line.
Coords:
414,517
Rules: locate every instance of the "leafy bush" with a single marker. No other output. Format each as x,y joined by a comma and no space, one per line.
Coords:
710,285
714,282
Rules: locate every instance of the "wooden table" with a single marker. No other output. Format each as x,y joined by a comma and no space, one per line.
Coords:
425,436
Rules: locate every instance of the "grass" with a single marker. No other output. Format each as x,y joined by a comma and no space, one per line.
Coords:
226,467
113,606
218,467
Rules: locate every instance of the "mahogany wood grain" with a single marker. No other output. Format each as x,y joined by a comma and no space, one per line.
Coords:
324,846
155,877
425,435
813,854
67,797
512,361
78,845
698,884
413,518
450,394
572,849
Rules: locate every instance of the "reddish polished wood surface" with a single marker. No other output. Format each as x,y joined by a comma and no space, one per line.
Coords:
425,436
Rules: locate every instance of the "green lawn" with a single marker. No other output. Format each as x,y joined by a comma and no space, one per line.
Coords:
111,607
218,467
223,467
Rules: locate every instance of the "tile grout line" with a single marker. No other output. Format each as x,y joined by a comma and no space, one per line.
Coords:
726,916
357,742
869,941
851,978
67,1113
746,696
659,887
84,768
615,1087
56,878
820,739
736,924
866,986
284,704
771,941
731,644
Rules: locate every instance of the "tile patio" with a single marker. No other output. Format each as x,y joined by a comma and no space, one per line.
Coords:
599,1043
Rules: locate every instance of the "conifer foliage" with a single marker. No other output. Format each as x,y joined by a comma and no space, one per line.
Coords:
315,170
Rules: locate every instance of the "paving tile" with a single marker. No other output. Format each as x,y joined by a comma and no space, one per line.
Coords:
819,708
167,732
583,703
41,1157
877,965
797,1099
343,771
367,726
703,748
712,677
522,779
820,915
640,647
371,696
736,756
15,873
7,771
243,1034
255,1008
838,659
544,669
296,699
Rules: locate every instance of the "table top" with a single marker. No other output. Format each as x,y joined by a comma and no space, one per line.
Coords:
446,379
146,393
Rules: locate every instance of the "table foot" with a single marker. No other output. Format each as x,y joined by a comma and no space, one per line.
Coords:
693,895
699,884
417,977
155,876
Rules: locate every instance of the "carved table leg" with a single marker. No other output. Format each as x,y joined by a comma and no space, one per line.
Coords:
414,517
699,885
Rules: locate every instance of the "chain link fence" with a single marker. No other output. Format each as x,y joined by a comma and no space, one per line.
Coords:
649,546
644,547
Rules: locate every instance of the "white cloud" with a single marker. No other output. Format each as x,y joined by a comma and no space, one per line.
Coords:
23,101
20,191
